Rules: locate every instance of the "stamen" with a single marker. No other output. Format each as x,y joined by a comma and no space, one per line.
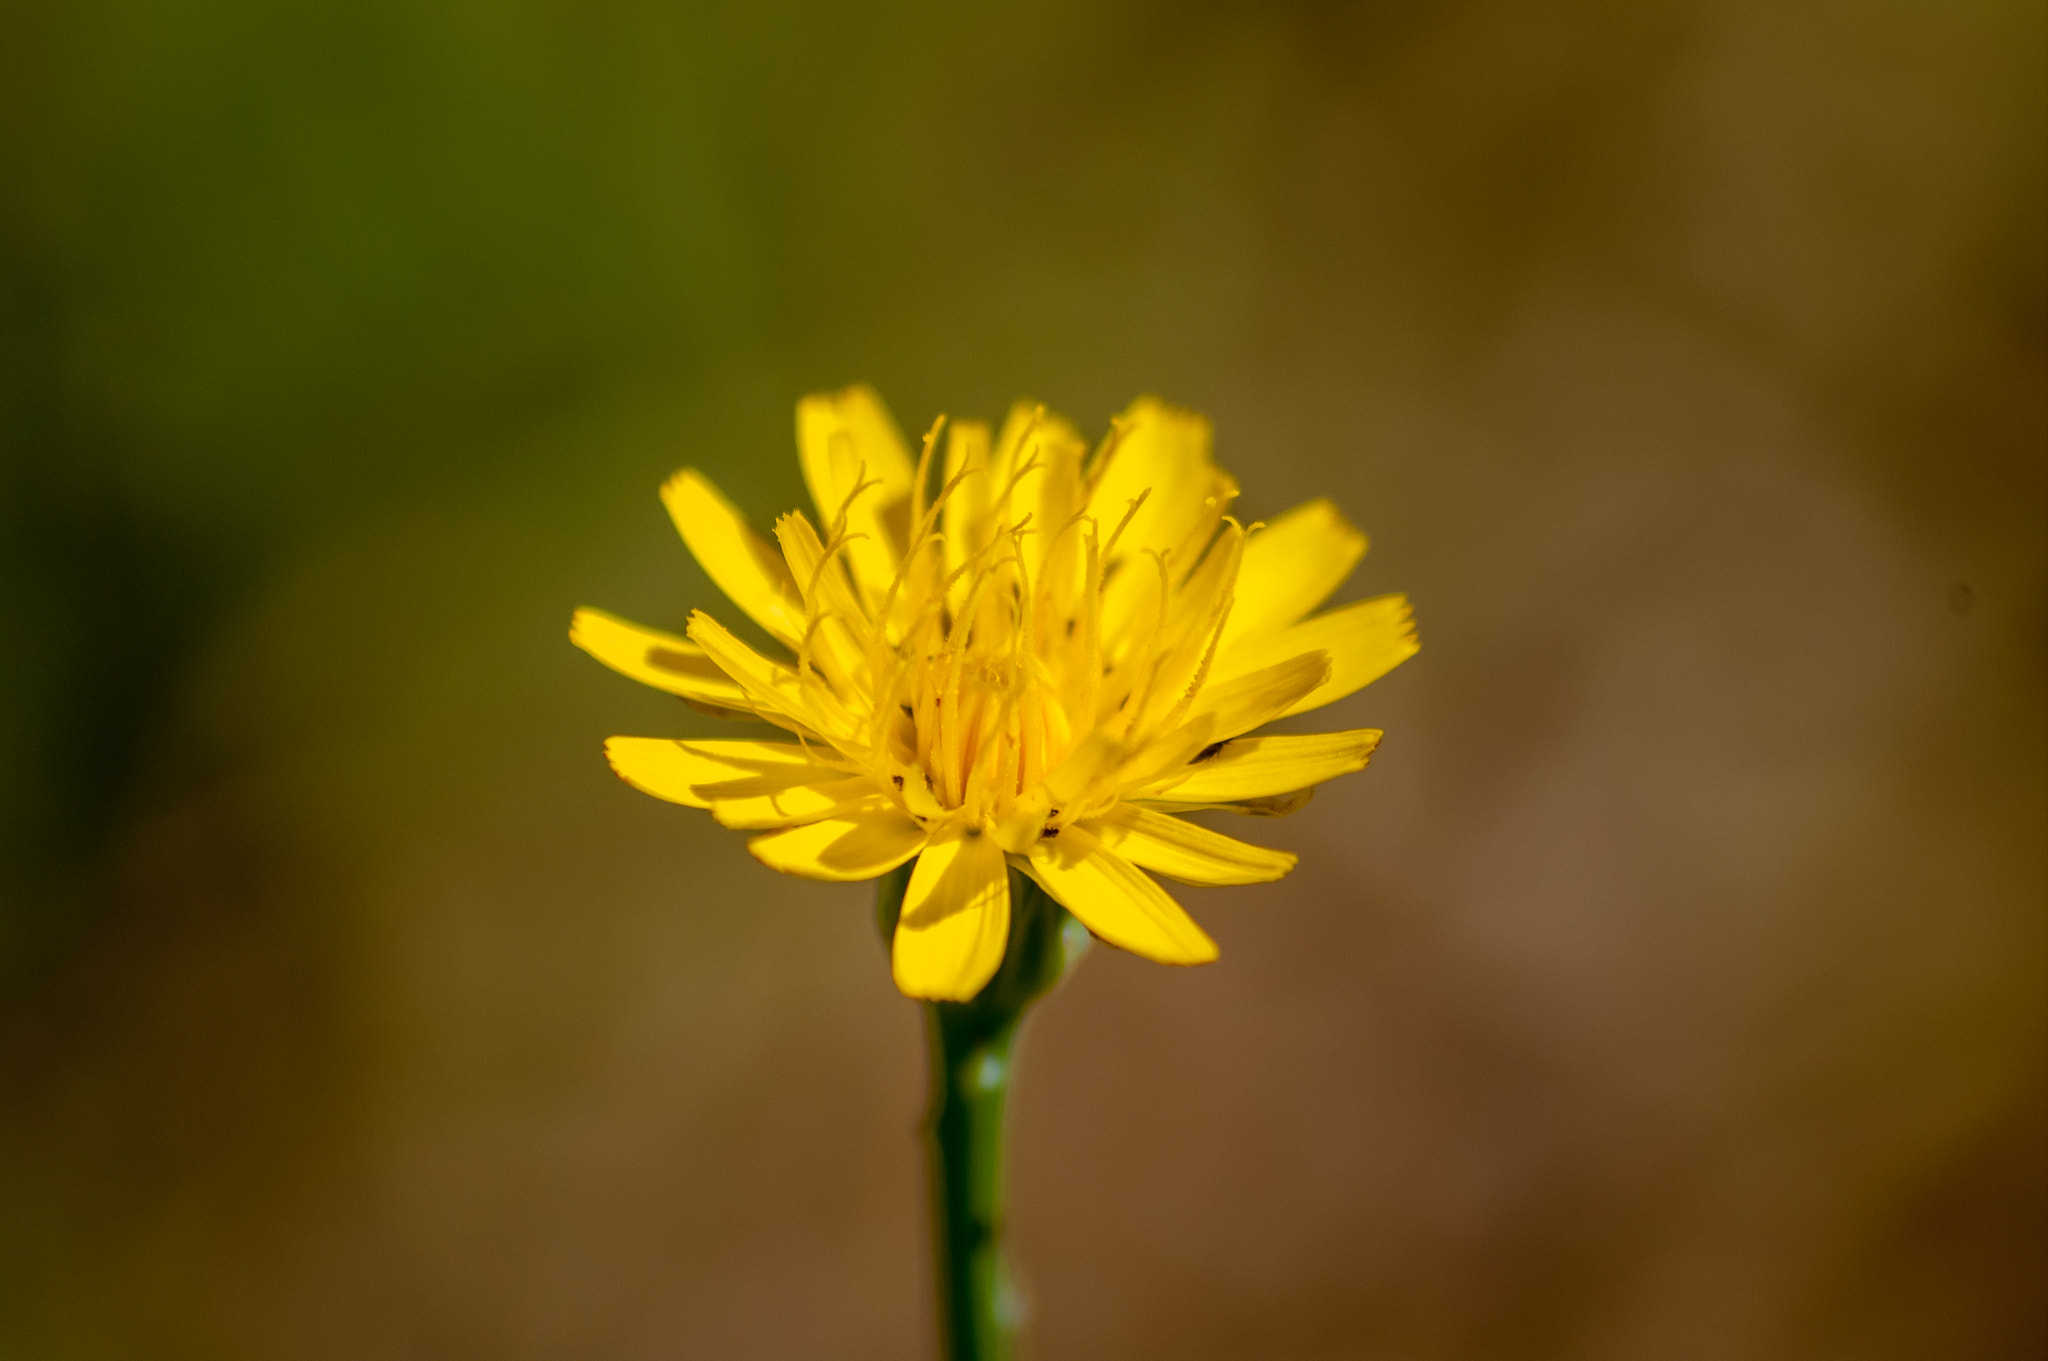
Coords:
861,483
924,466
840,538
1130,513
1194,685
1140,695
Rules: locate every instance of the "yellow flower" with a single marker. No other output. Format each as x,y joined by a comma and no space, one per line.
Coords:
1034,660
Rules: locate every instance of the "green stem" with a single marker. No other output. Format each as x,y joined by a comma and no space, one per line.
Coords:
964,1132
972,1048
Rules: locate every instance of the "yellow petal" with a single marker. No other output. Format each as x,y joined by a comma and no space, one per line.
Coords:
1365,641
1180,850
1240,703
1162,454
673,770
1130,591
795,804
1272,806
1290,567
659,659
864,842
1258,767
956,918
1090,763
1171,750
736,559
844,439
1115,899
654,765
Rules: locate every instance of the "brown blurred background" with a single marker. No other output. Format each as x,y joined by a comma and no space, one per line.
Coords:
1674,984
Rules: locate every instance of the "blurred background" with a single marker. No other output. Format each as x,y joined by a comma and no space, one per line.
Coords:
1674,984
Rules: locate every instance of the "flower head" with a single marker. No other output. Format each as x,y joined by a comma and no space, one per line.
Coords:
1031,656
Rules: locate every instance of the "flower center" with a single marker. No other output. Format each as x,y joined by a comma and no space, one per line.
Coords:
980,726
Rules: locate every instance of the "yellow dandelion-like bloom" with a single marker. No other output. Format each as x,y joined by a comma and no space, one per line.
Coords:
1034,660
